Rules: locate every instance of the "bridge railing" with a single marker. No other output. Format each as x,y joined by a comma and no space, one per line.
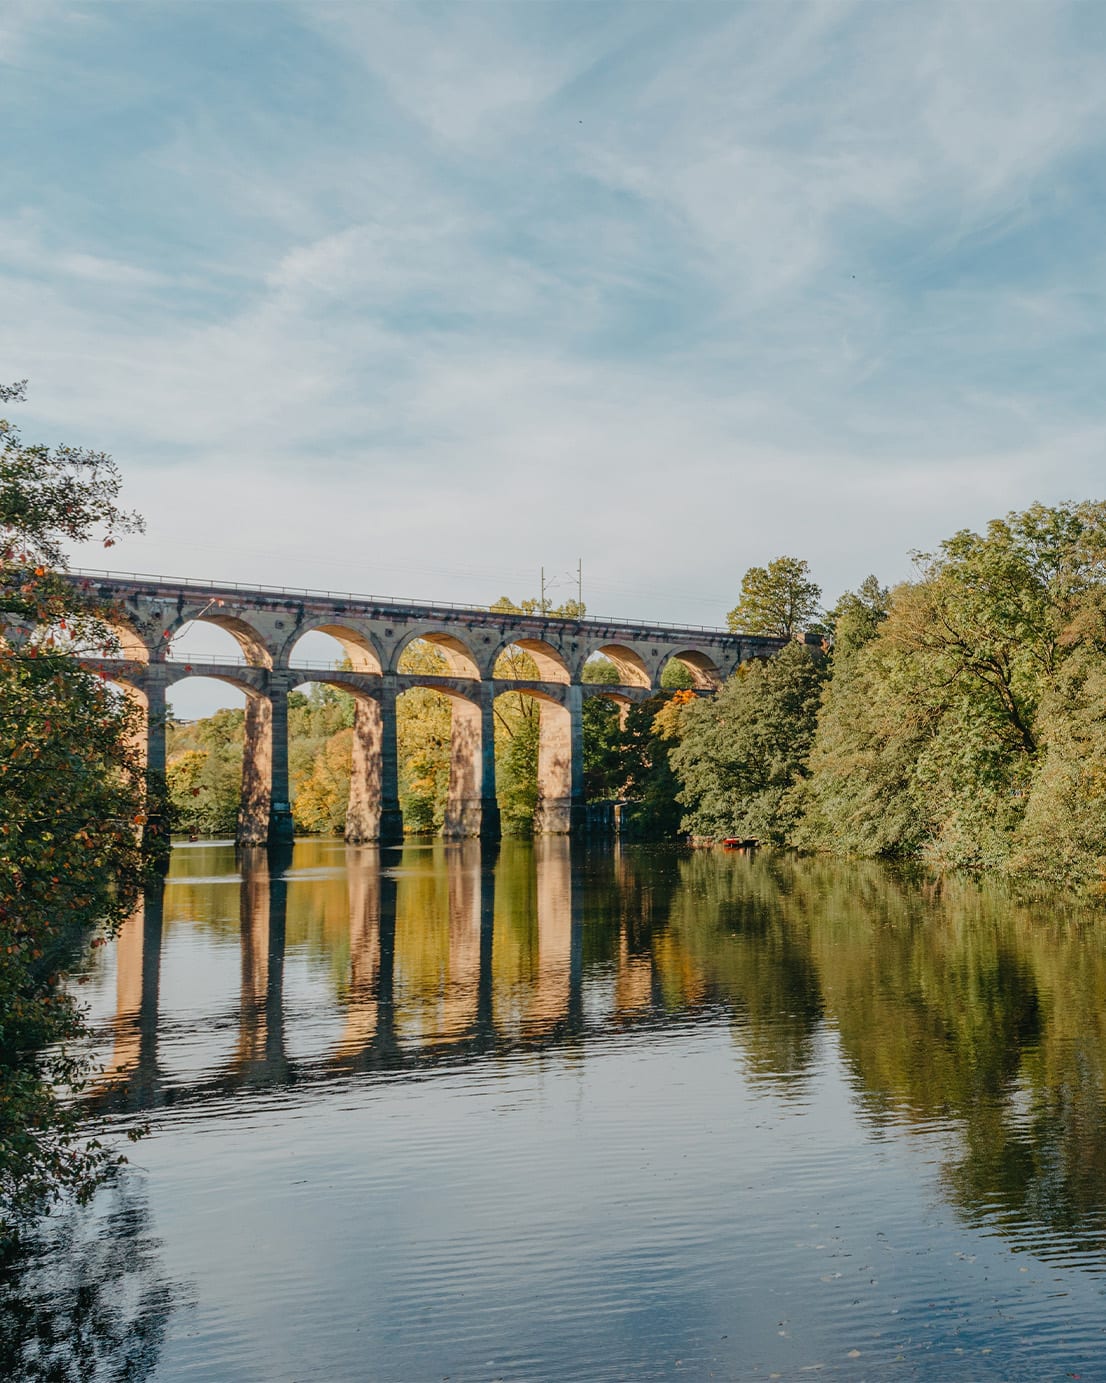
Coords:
239,588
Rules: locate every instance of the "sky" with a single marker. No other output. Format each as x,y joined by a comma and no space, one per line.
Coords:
412,299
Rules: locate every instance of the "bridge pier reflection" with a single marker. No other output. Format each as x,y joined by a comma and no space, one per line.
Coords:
130,1075
263,913
455,950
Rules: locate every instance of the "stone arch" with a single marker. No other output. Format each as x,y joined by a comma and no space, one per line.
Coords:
255,648
124,642
252,681
130,681
551,663
259,746
358,643
632,668
470,793
460,660
364,803
560,754
704,670
600,692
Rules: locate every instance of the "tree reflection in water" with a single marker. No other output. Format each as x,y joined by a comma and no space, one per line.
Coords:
85,1300
952,1005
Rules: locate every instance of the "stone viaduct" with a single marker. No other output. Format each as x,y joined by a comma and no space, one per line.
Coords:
267,624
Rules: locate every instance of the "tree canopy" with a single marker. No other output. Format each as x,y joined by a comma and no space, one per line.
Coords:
778,599
72,804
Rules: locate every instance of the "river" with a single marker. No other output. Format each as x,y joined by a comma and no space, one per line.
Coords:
537,1112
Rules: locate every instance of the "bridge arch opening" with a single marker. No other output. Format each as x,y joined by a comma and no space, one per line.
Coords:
110,639
205,751
604,720
535,759
599,668
439,746
321,733
517,745
530,660
628,663
454,658
92,640
211,637
690,669
203,643
334,646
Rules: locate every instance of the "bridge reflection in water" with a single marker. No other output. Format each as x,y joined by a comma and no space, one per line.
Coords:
950,1006
448,950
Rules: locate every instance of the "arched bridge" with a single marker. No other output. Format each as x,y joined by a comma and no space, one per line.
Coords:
268,623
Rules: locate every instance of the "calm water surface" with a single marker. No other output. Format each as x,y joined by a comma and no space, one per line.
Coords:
536,1113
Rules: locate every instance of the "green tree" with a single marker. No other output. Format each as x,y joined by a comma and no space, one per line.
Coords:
860,796
604,771
779,599
741,759
955,709
204,772
677,676
856,618
650,784
320,757
72,801
424,725
322,795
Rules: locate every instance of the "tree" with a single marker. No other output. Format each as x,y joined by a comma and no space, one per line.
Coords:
568,609
742,756
856,618
322,795
779,599
959,723
650,784
204,772
72,800
424,726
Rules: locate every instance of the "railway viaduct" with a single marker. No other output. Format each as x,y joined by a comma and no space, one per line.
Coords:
268,623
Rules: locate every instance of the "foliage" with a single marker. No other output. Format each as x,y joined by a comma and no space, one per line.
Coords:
204,772
72,804
604,772
650,784
50,496
205,764
779,599
676,676
951,730
424,720
322,796
741,757
320,752
855,620
517,741
568,609
1062,836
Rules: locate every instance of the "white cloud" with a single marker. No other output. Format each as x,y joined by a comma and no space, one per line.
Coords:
458,72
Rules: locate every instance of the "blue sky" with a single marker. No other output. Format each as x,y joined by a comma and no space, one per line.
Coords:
411,299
